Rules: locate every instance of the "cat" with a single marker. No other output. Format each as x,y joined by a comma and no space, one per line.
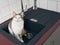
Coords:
16,26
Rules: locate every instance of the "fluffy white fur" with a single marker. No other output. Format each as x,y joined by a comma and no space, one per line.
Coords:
16,26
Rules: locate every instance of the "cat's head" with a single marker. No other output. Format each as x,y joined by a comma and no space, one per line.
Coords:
21,14
18,17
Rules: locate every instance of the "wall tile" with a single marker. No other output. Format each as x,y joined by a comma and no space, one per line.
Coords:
58,7
8,16
18,6
3,3
38,3
58,0
52,5
43,4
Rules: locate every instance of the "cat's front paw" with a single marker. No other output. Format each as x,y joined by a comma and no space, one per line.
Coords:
21,40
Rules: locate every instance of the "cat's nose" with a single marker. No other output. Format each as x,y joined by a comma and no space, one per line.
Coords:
18,18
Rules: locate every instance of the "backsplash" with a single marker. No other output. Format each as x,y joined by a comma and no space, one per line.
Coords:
53,5
8,6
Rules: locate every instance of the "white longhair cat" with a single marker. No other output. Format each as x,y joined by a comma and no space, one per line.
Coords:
16,26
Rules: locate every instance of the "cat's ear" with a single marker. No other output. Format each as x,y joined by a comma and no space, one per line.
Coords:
22,14
14,13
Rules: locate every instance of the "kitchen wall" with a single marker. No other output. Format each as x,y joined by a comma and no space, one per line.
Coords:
53,5
8,6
